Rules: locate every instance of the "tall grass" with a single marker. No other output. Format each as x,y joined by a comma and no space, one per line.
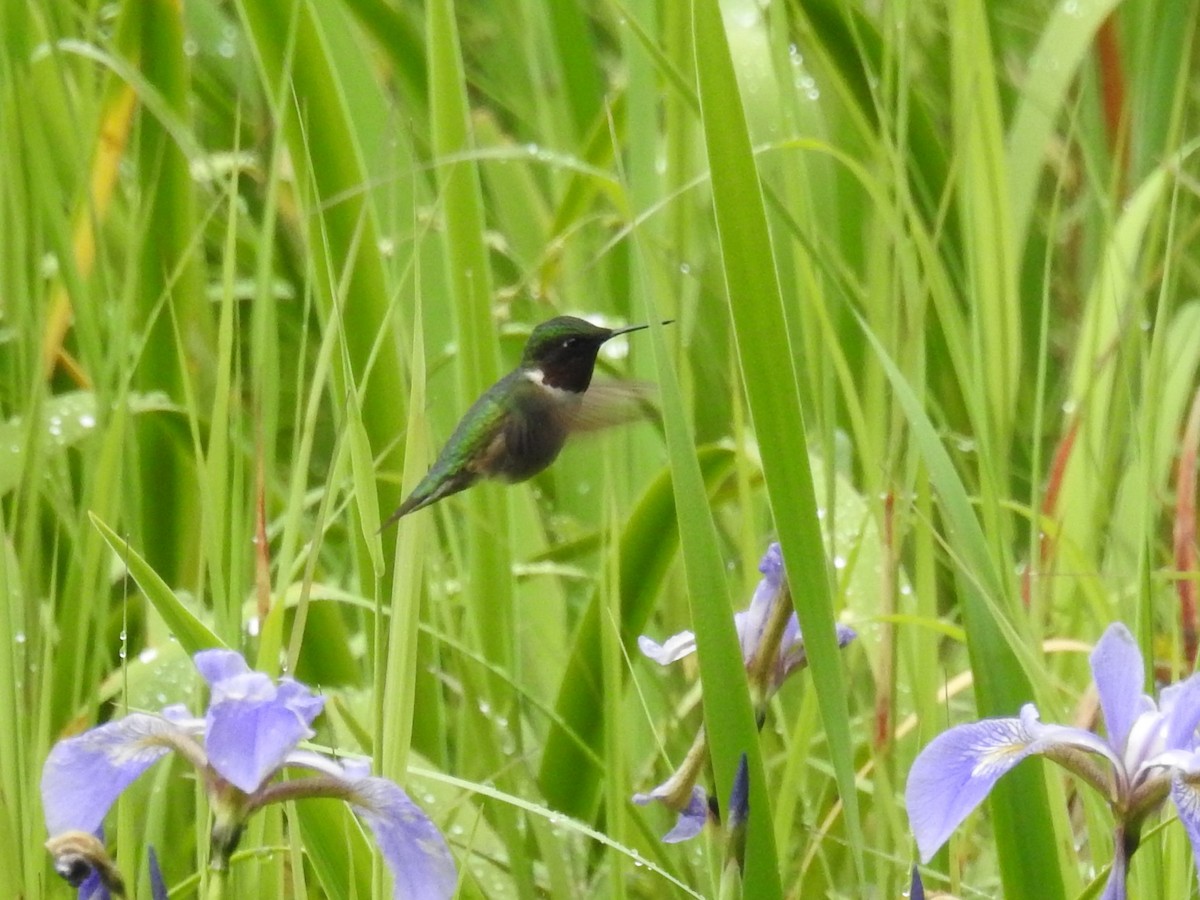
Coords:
933,278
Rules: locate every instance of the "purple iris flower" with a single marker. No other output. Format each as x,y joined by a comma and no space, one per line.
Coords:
1150,752
250,733
753,625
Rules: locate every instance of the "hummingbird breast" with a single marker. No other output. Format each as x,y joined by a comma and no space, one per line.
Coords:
533,434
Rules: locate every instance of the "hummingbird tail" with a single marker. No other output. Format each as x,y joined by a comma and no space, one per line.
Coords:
428,492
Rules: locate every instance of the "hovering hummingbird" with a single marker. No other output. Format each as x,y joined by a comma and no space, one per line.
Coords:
519,425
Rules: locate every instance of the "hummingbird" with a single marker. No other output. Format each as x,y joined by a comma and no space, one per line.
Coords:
519,425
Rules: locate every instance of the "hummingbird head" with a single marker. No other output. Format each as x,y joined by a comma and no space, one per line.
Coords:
562,352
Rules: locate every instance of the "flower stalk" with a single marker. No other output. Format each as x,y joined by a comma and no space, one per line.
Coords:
772,649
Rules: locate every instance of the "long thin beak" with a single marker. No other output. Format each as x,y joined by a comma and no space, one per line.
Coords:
629,328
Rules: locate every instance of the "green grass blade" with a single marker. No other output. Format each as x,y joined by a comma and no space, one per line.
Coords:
192,634
756,306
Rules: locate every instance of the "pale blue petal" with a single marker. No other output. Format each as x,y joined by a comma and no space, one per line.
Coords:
1185,791
219,665
771,565
1181,705
751,622
954,774
956,771
676,647
252,723
413,848
84,775
1119,676
692,817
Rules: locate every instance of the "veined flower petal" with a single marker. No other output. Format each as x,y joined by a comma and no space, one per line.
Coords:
1118,672
751,622
1185,792
956,771
252,723
413,848
85,774
1180,703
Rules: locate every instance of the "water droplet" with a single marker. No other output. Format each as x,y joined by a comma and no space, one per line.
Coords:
87,420
19,637
387,246
1069,406
839,562
190,47
226,48
685,268
745,18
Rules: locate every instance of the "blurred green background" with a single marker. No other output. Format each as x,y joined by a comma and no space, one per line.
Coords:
934,279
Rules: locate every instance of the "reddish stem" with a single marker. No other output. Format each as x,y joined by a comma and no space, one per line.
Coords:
1058,468
1112,96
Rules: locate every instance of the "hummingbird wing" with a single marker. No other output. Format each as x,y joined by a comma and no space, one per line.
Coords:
609,403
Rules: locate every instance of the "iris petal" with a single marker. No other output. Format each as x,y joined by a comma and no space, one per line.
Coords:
675,648
1181,704
1185,792
954,774
1118,672
691,818
252,722
84,775
413,848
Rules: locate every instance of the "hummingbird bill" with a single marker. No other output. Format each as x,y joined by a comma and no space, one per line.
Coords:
520,424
